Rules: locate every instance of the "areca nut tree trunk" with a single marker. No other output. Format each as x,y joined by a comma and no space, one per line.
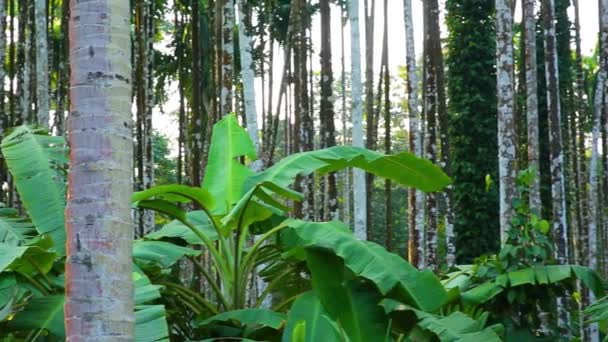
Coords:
507,139
42,64
594,181
532,102
415,198
359,192
99,289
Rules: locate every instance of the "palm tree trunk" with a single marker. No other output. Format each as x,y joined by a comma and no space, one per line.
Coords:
371,134
197,127
580,139
42,66
507,138
415,198
359,195
24,62
532,103
99,296
328,131
227,57
594,181
560,227
248,76
346,193
431,43
388,219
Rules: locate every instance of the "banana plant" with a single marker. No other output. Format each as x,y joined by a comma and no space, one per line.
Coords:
32,252
349,277
235,202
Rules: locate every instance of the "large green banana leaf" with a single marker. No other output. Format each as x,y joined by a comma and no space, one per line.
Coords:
8,285
390,273
538,275
248,317
176,229
351,303
318,326
457,326
257,324
163,254
404,168
29,260
176,193
37,163
47,313
14,230
41,313
597,311
228,180
224,174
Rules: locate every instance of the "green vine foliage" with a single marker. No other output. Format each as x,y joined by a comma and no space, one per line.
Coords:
528,242
471,79
523,309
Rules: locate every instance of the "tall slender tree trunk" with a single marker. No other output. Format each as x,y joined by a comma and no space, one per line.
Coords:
99,288
197,126
371,134
580,139
388,219
532,103
328,131
560,226
42,63
11,63
227,61
359,191
594,181
415,200
248,75
507,138
442,115
24,62
430,90
346,194
63,72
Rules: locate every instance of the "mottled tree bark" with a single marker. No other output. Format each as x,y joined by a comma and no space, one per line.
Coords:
370,115
415,198
594,181
247,73
99,289
507,138
430,96
328,131
532,102
388,218
42,63
346,192
197,126
560,226
23,63
360,209
581,173
227,60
